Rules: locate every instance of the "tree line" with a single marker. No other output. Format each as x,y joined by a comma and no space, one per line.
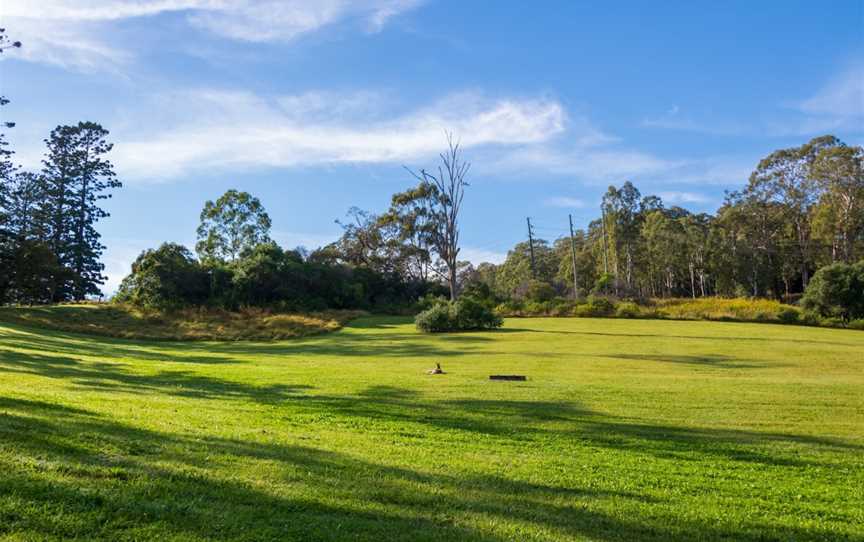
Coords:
802,209
49,246
237,264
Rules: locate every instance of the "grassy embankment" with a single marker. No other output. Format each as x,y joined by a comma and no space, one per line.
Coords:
625,430
123,321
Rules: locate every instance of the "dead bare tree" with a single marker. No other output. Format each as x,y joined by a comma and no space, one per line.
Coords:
445,195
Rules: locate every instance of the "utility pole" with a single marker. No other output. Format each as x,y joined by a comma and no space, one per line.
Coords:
573,255
531,245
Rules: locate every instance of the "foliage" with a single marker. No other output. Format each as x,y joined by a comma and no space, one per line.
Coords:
600,306
837,291
165,278
627,309
464,314
535,290
263,276
803,208
75,177
789,315
235,223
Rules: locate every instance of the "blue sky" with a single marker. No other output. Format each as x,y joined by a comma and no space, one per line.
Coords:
315,106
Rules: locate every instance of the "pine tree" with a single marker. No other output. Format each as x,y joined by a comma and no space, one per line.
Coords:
75,177
7,174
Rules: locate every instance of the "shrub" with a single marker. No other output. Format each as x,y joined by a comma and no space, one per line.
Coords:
561,307
627,310
856,324
601,306
836,291
466,314
833,322
595,307
437,318
537,308
789,315
510,308
604,283
165,278
810,319
535,290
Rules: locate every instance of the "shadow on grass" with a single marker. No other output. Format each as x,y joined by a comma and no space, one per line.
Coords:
73,474
705,360
784,339
118,378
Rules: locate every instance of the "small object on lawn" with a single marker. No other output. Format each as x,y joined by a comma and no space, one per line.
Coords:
436,371
508,377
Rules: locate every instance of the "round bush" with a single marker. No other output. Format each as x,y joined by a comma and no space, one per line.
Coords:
466,314
836,291
789,315
627,310
435,319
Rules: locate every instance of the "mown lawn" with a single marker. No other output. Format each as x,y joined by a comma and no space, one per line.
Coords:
625,430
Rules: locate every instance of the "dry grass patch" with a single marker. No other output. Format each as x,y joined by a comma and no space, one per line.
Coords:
716,308
123,321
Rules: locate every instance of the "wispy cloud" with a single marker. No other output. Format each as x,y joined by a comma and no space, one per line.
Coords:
591,164
843,96
60,32
221,130
837,106
674,119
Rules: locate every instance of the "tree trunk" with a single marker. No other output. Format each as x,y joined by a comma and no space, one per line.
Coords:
452,280
692,282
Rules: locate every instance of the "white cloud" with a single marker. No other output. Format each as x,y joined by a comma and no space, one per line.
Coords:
674,120
69,46
564,201
280,20
591,164
236,130
60,32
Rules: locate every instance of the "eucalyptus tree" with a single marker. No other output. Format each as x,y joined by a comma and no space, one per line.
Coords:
446,191
839,171
230,226
785,177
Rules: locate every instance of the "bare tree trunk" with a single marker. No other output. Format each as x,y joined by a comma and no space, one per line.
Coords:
692,282
448,189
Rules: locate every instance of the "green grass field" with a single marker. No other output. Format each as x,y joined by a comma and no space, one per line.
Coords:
625,430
